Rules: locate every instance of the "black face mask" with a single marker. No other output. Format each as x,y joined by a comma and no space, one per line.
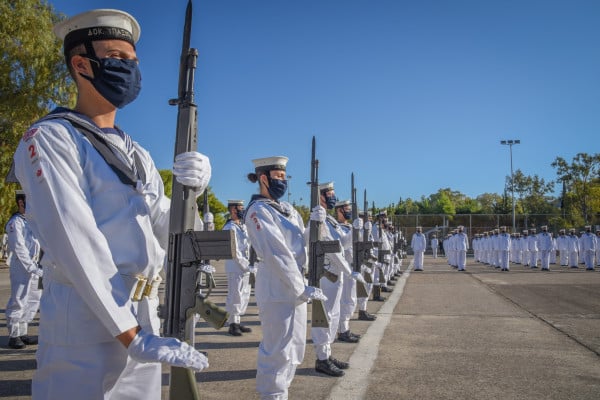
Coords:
118,80
240,213
347,214
330,201
277,187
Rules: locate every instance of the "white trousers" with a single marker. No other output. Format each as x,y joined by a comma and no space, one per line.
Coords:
418,261
461,259
238,295
348,303
323,337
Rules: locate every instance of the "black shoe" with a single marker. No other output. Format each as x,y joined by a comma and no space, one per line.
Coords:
378,298
347,337
328,368
29,340
390,283
385,289
234,330
365,316
244,329
418,269
15,343
339,364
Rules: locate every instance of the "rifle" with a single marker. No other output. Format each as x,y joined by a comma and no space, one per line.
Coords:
251,262
317,248
358,246
183,298
367,243
381,253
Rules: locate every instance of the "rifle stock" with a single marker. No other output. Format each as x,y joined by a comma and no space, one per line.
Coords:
187,249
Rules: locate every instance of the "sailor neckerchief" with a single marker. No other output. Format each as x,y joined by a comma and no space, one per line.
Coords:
273,203
114,145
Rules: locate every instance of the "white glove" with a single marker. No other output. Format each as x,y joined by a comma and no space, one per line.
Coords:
207,268
358,223
192,169
366,269
37,271
209,217
252,269
313,293
357,276
368,225
147,347
318,214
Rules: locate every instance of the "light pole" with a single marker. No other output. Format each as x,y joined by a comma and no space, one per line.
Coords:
510,143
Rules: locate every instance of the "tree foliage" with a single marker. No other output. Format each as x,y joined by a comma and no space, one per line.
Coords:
33,79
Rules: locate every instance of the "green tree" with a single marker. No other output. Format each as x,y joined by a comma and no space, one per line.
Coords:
33,79
580,178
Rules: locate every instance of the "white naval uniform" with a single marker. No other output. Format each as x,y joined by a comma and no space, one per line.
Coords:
278,239
24,299
336,264
573,250
588,249
418,244
348,298
238,275
98,234
504,242
544,240
462,245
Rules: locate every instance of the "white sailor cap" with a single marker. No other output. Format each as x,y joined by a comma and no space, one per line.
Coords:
525,231
419,228
342,203
561,231
235,203
544,227
587,227
326,186
503,228
19,194
101,24
270,163
572,230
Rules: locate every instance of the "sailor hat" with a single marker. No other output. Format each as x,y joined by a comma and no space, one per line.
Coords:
525,231
235,203
572,230
532,230
587,227
419,228
561,231
326,186
342,203
544,227
270,163
19,194
101,24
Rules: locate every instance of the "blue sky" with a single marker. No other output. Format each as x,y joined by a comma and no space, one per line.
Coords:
411,96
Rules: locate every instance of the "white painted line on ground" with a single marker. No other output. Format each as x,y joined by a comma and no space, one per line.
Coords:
355,382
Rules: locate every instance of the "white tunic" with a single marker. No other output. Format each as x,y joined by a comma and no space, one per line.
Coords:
98,234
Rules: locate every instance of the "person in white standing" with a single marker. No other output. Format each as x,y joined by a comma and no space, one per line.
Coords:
418,243
588,247
434,245
462,245
98,208
276,232
544,240
504,246
237,270
25,272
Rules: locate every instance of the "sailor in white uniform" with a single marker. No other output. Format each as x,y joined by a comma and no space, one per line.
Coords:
276,232
25,273
98,208
418,244
544,240
238,269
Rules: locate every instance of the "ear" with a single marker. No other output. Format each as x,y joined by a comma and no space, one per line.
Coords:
81,65
263,179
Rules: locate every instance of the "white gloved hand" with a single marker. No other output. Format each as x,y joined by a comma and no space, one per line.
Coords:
192,169
313,293
368,225
357,276
207,268
252,269
37,271
358,223
366,269
147,347
318,214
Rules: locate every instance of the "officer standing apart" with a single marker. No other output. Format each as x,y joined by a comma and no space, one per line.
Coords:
276,231
25,272
544,247
238,269
418,244
434,245
98,208
462,245
588,248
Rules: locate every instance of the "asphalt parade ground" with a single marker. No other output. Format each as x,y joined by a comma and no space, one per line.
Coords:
441,334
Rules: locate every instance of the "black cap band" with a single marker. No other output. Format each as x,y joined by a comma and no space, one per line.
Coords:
79,36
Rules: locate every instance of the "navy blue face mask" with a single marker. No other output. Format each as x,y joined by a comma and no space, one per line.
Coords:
347,214
118,80
330,201
277,188
240,214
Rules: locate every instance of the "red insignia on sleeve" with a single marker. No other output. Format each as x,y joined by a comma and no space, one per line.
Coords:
253,218
29,134
38,173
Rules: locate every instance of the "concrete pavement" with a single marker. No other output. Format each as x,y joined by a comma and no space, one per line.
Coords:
442,334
